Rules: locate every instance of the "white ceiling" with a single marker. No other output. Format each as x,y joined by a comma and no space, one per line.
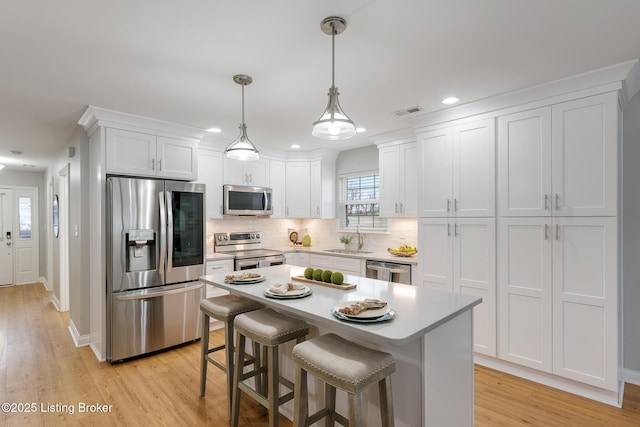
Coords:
174,60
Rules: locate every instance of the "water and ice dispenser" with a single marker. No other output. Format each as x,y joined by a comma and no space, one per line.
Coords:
141,250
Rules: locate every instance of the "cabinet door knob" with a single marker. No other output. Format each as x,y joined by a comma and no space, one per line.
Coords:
455,205
396,207
557,231
546,202
160,165
448,205
557,201
153,164
546,232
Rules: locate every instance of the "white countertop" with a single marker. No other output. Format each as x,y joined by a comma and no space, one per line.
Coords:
418,310
376,255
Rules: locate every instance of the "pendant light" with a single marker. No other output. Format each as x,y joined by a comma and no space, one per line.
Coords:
242,148
334,123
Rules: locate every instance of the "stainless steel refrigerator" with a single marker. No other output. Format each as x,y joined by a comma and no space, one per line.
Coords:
155,255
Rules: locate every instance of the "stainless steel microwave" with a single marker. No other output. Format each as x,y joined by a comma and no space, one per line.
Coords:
246,200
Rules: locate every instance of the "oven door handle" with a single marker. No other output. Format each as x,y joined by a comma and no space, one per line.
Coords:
158,293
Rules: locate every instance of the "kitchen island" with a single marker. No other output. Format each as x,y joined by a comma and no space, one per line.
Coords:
430,337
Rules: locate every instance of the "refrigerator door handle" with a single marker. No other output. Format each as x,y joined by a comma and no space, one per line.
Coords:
159,293
163,235
169,231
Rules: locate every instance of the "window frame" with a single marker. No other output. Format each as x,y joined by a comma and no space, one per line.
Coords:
343,203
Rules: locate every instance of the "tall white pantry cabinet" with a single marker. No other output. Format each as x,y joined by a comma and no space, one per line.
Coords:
520,206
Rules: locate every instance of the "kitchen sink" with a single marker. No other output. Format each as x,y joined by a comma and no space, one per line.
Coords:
347,251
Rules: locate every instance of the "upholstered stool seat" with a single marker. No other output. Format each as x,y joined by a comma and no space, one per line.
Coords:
269,329
224,308
343,365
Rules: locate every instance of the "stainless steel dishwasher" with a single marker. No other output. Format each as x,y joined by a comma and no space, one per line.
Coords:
389,271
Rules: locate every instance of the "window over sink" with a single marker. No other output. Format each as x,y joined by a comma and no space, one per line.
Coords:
359,202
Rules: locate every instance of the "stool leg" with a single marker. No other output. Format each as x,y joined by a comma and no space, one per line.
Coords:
330,404
237,375
386,402
300,398
355,410
273,375
229,355
204,352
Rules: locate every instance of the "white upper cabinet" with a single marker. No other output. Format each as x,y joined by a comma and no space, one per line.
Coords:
210,173
457,177
524,163
253,173
140,154
323,189
584,156
560,160
399,180
277,182
298,195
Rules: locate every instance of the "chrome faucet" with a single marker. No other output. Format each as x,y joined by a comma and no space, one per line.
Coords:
360,239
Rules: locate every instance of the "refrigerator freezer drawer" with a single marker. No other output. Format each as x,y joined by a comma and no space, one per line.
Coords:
148,320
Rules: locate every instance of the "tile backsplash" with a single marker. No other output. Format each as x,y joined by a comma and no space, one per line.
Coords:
324,232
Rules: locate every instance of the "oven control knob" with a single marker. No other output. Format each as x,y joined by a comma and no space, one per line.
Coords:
253,235
257,235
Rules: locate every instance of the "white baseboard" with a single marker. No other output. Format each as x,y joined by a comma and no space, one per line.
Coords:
43,280
55,301
96,351
630,376
585,390
79,340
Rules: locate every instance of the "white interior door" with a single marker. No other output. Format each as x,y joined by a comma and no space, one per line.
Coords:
26,241
6,234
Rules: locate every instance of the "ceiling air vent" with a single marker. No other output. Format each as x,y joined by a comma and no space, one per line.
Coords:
406,111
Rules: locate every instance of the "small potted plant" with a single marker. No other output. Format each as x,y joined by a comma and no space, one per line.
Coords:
346,239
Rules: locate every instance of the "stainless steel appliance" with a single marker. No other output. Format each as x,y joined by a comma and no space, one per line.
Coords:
389,271
245,200
155,255
246,248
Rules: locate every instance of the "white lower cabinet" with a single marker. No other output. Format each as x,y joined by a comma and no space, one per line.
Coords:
336,263
297,258
222,266
458,255
558,291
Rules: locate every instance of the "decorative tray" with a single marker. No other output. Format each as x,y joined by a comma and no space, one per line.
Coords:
344,286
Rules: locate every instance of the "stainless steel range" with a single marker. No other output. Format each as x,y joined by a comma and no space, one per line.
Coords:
246,247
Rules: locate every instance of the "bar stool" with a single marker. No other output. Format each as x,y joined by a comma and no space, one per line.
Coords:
269,329
224,308
343,365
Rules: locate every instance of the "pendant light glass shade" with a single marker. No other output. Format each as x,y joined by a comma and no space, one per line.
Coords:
242,148
334,124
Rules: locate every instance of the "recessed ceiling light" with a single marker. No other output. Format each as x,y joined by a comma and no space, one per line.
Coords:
360,130
1,166
450,100
295,146
214,130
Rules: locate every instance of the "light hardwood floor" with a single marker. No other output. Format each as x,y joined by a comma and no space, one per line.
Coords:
40,365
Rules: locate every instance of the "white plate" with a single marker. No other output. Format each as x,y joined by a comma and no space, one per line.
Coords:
390,315
247,280
366,314
291,293
288,295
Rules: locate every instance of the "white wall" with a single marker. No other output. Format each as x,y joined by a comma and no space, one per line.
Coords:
631,235
79,247
32,179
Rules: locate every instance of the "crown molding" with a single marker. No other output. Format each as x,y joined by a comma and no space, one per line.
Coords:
95,117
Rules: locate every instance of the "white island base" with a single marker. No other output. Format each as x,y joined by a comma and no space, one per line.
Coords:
431,340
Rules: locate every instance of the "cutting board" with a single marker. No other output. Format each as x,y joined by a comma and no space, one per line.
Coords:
344,286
